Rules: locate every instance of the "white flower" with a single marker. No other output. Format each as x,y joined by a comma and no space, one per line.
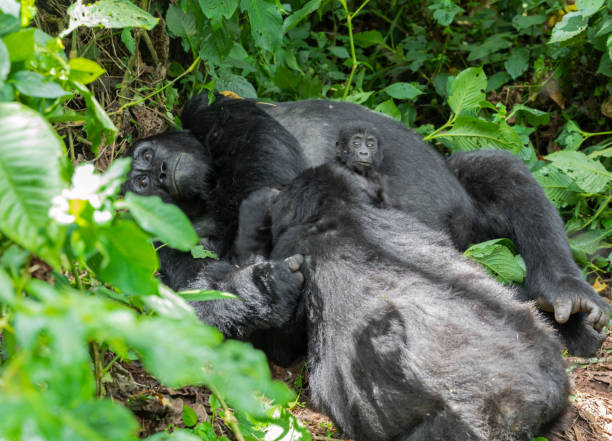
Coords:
102,217
86,186
59,210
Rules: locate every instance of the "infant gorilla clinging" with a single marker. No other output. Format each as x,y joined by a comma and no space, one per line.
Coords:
407,340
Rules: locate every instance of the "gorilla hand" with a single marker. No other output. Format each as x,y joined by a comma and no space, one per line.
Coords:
280,282
572,296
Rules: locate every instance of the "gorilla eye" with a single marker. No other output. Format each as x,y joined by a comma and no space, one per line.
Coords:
355,143
370,145
147,155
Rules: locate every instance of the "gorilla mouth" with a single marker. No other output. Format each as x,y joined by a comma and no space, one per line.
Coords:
174,169
362,163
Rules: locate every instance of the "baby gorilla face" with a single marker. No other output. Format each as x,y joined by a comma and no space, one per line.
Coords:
359,149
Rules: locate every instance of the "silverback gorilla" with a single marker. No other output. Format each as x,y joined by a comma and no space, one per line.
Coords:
436,349
234,147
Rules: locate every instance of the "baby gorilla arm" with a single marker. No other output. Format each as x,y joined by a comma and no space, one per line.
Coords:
268,291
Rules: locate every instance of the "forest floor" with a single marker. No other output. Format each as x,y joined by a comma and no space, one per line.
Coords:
158,407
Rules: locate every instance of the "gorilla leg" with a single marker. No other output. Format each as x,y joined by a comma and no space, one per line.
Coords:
511,203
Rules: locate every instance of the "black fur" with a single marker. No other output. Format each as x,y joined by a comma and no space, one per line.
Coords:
407,340
471,197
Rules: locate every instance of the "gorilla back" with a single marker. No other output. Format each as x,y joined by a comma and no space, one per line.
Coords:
407,340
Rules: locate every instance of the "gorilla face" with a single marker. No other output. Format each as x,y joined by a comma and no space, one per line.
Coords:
172,166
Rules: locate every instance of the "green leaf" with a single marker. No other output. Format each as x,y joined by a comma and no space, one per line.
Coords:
5,62
266,23
20,45
589,7
534,117
470,133
237,84
559,187
199,295
591,176
30,176
521,22
97,122
571,25
389,108
404,91
497,80
128,40
109,14
589,242
190,418
198,252
299,15
33,84
517,63
8,24
84,71
165,222
7,292
445,11
218,9
128,259
180,23
339,51
497,258
467,91
368,38
489,46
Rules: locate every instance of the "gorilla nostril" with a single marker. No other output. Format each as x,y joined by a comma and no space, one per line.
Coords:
164,167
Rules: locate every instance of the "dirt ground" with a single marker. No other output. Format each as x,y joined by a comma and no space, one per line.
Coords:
158,407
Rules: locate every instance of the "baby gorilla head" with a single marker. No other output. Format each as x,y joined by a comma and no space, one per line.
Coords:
359,148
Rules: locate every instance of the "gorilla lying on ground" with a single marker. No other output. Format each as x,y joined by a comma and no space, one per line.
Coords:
407,340
234,147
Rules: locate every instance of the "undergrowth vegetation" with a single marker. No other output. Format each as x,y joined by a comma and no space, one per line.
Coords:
79,82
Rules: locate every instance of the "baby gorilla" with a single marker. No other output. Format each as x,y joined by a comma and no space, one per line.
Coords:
359,149
407,340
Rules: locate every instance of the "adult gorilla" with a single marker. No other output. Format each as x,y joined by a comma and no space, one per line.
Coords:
234,147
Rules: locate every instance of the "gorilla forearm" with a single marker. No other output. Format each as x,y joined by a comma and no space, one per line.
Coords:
267,291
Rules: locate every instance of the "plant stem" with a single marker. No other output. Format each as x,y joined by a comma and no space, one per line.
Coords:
155,92
349,24
228,415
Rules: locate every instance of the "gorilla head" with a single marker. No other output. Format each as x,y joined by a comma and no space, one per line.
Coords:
173,166
359,148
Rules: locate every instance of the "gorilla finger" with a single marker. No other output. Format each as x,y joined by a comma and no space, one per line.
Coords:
294,262
594,316
563,309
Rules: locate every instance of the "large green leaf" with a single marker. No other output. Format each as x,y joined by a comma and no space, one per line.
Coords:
128,260
108,13
404,91
517,63
295,18
216,10
559,187
497,258
165,221
590,175
30,176
266,23
470,133
467,91
571,25
34,84
180,23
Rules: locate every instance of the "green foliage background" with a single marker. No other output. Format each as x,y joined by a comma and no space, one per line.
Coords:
78,82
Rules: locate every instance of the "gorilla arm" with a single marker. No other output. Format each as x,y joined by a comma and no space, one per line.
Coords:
268,291
512,204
